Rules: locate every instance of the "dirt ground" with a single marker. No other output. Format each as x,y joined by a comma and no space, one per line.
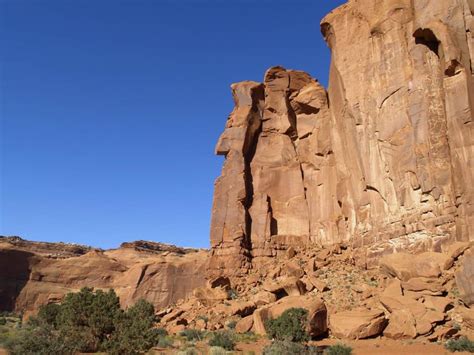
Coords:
361,347
390,347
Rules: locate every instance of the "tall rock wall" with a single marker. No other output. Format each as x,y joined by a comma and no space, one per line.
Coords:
386,155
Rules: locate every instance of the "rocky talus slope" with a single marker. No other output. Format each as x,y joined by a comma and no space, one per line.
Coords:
35,273
382,161
426,296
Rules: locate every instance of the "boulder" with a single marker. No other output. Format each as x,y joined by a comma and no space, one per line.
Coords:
465,276
406,266
357,324
292,269
291,286
244,325
242,308
401,325
440,304
317,313
467,315
320,285
424,286
211,296
264,297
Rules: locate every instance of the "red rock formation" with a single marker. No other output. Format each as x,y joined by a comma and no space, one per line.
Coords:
385,155
33,273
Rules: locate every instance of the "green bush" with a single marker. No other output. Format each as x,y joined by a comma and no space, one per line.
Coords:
290,326
223,340
193,334
232,324
134,332
3,321
248,337
88,321
188,351
288,347
461,344
338,349
217,350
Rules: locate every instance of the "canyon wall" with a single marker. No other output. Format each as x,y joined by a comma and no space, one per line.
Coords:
34,273
383,160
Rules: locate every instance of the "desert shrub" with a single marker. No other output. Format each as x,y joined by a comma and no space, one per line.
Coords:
32,340
223,340
217,350
134,332
288,347
88,321
188,351
338,349
164,342
290,326
232,324
49,314
461,344
248,337
193,334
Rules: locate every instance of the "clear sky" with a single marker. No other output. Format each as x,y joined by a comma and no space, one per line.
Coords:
110,109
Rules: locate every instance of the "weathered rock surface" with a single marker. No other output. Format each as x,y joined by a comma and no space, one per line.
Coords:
465,278
383,160
357,324
33,273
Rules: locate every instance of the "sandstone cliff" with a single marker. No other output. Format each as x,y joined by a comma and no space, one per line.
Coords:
33,273
382,160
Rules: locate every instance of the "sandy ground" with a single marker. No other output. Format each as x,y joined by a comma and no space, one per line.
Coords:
361,347
390,347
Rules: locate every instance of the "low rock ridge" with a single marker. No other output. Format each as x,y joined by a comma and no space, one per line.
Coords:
37,273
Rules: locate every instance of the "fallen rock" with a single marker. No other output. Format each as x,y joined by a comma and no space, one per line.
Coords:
242,308
440,304
211,296
465,277
173,315
406,266
398,303
424,286
291,286
292,269
263,298
320,285
244,325
401,325
357,324
456,249
467,315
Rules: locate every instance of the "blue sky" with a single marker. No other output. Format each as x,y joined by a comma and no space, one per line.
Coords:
110,109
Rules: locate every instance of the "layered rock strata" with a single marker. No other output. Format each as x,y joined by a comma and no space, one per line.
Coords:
384,157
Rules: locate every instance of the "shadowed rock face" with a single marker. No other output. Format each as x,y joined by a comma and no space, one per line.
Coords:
386,154
35,273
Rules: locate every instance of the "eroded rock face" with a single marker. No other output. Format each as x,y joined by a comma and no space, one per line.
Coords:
33,274
386,154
